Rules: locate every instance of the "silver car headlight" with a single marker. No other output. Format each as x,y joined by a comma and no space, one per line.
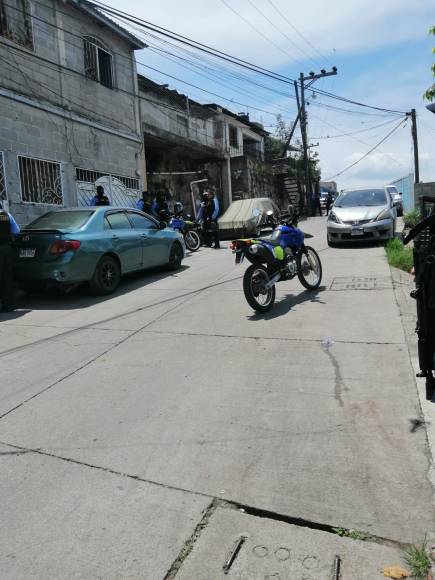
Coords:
384,215
332,217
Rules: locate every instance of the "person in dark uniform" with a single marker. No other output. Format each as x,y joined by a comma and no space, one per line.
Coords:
8,228
145,203
209,212
316,203
100,198
329,202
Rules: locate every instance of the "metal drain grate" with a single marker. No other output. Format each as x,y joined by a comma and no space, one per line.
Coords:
361,283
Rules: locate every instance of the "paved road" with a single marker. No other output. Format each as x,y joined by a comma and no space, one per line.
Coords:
122,419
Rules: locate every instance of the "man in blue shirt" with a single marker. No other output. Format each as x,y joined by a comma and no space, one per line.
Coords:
209,212
100,198
8,229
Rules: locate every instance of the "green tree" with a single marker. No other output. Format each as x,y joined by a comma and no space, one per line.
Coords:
430,93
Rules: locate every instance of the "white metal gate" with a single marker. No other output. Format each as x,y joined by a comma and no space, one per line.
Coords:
121,191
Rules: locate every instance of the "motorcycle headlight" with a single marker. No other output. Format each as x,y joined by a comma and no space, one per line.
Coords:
384,215
332,217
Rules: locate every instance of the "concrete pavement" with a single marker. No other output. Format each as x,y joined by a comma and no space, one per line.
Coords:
176,391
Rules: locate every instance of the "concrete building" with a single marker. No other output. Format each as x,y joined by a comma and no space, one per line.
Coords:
183,143
190,146
69,112
243,142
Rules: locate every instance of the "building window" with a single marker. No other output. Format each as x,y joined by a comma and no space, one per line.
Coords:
98,62
40,181
16,22
234,137
2,178
217,129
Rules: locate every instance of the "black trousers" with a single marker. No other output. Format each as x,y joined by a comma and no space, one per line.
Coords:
211,233
6,275
317,207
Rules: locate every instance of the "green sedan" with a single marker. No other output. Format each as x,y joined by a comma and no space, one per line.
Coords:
96,245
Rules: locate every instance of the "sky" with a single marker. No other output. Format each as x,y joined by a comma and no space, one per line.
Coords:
381,49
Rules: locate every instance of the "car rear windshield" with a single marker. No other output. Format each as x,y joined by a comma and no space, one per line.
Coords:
362,197
60,220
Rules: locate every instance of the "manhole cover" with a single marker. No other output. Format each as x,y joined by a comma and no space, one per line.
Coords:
361,283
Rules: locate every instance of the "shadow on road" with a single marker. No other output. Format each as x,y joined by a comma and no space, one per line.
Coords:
81,297
285,305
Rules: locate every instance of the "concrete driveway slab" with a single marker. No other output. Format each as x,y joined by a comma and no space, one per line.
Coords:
297,428
70,521
275,550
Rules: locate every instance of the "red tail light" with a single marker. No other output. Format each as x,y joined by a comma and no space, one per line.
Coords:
63,246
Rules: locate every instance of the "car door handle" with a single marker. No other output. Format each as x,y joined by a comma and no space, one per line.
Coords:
115,237
143,236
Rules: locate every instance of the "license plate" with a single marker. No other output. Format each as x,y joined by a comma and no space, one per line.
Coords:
239,257
357,232
27,253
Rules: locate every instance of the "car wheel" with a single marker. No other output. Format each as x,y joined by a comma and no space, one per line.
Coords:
175,257
107,276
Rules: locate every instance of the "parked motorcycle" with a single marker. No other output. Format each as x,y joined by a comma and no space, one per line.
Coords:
280,257
188,228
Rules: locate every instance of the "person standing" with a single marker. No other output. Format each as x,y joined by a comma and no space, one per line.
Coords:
100,198
210,212
8,229
329,201
145,203
316,203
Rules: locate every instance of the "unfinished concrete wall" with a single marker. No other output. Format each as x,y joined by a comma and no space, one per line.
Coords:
49,109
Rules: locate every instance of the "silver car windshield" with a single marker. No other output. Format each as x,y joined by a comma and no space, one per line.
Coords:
362,197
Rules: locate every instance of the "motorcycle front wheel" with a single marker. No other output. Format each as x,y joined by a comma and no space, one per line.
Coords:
192,240
258,297
309,268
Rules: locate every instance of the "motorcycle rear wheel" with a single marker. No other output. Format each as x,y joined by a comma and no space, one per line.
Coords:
309,277
192,240
259,298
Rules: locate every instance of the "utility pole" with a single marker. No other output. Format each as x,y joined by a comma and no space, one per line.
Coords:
292,130
415,141
312,77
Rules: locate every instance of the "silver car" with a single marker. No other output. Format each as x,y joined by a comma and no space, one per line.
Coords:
361,215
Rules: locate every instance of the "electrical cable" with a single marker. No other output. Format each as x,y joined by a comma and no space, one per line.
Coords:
217,53
286,36
368,152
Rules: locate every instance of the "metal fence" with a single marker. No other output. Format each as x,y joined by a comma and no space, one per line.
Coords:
122,191
406,186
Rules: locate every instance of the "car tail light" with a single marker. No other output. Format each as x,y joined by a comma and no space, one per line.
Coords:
63,246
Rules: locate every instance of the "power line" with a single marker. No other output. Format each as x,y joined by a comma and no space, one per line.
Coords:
225,56
257,30
295,29
368,152
289,38
356,132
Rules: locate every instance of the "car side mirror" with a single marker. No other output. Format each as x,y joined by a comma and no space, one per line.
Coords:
162,225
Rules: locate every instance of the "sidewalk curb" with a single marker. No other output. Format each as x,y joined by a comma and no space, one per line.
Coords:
402,285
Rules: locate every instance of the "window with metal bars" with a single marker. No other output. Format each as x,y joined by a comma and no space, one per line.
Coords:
234,136
90,176
40,181
16,22
2,178
98,61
